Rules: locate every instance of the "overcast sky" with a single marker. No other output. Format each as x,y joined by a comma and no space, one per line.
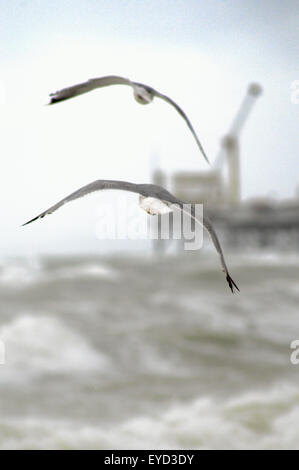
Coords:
201,53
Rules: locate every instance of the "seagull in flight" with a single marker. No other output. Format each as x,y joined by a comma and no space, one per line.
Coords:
143,94
154,200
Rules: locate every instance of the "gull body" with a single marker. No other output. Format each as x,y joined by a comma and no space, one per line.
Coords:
154,206
154,200
142,95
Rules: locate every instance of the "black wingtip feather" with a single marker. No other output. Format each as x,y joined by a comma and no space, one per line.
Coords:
32,220
54,99
231,283
207,160
205,156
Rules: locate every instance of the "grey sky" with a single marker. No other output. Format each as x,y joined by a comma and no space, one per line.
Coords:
203,54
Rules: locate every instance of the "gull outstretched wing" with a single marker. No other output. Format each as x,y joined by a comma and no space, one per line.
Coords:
85,87
98,185
186,119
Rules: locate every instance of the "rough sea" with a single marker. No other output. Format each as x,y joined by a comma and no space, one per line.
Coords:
126,352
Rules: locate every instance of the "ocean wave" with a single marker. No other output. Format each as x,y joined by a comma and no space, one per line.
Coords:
36,345
265,258
20,273
23,273
86,271
261,420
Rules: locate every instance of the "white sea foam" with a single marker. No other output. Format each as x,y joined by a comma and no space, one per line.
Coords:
260,420
86,270
20,273
42,344
266,258
25,272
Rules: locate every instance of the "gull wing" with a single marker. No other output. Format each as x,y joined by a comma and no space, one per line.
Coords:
207,224
184,116
209,227
98,185
85,87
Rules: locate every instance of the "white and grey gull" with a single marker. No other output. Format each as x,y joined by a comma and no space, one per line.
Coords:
143,94
152,198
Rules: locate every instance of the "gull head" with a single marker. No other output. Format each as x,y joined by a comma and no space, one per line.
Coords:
142,94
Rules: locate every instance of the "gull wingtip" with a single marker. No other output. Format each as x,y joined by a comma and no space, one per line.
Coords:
29,221
206,158
205,155
232,284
